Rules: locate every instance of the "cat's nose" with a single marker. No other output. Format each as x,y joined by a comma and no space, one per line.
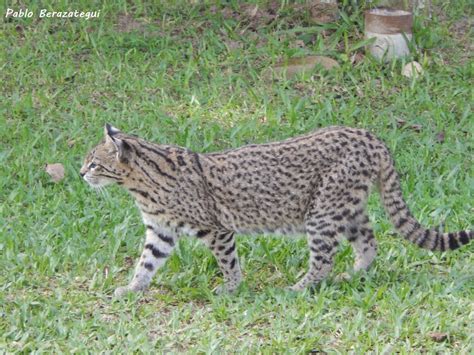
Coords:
82,174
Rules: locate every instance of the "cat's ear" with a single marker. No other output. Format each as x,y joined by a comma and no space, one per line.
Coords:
110,130
122,147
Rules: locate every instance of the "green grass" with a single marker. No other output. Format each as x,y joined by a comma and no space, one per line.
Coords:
178,79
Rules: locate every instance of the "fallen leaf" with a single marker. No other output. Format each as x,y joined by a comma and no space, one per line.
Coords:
440,137
70,78
356,58
412,69
253,16
326,62
299,65
71,142
127,23
297,44
273,7
106,271
56,171
438,336
233,44
415,127
252,12
20,29
300,86
227,12
401,122
323,11
129,261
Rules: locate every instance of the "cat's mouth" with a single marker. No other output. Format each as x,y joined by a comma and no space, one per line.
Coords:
97,182
94,182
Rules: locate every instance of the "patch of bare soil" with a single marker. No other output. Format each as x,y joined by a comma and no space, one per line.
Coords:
251,16
255,16
461,32
127,23
323,12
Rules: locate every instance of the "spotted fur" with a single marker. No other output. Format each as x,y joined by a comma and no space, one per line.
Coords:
317,184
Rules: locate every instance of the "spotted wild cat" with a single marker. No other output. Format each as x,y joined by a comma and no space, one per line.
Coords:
316,184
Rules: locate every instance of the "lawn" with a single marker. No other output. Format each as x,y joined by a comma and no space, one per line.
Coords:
193,75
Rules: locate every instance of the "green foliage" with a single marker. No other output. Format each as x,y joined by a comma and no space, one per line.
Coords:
189,75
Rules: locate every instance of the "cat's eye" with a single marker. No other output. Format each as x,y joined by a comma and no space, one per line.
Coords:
92,165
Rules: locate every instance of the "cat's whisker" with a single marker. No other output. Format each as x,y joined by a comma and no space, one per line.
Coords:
98,189
104,192
101,190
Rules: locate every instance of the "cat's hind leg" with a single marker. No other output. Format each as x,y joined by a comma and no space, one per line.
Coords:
158,246
361,236
322,236
325,220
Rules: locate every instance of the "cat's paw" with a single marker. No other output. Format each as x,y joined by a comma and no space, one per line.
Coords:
124,290
343,277
225,290
298,287
120,292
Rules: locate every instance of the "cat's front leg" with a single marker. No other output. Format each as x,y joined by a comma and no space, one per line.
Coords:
222,245
158,246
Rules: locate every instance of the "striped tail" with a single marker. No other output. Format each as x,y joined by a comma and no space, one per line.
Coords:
403,220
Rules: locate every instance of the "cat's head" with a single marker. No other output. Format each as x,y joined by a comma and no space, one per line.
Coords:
108,162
